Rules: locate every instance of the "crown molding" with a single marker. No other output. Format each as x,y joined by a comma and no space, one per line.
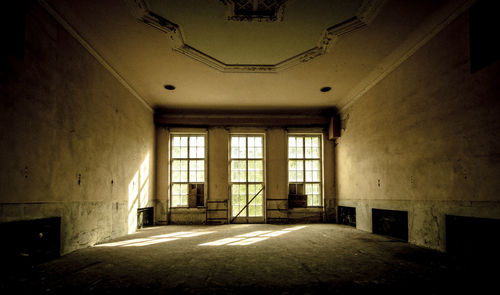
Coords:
364,16
435,24
51,11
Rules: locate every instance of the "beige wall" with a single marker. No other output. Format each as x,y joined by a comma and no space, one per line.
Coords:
75,143
429,133
218,179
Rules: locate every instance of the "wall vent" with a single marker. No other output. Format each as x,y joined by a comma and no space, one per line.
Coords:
29,242
392,223
347,215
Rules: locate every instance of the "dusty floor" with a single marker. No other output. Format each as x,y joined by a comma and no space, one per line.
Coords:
245,259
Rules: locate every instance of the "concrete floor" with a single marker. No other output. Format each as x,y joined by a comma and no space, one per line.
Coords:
275,259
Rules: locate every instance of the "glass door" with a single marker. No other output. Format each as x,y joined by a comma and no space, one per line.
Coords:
247,177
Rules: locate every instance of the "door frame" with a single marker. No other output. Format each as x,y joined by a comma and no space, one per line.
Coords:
247,219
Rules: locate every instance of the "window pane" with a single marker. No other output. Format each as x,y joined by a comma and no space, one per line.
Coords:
315,142
258,142
184,176
291,141
251,176
176,141
307,142
176,190
308,154
300,153
251,152
184,141
176,201
315,153
192,152
176,176
309,176
192,141
200,152
179,195
242,153
243,176
200,176
184,152
299,142
234,141
258,153
192,176
300,165
251,210
200,141
312,190
259,176
176,152
300,176
234,152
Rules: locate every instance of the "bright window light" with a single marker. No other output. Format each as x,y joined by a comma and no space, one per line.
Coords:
304,167
247,175
122,243
222,242
276,233
255,233
195,234
150,242
172,234
249,241
295,228
187,166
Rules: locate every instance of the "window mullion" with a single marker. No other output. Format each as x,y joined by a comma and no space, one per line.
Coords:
246,172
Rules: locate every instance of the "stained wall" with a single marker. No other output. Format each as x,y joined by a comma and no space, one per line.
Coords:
75,143
425,140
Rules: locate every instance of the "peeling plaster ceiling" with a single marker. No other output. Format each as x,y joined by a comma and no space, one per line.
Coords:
147,59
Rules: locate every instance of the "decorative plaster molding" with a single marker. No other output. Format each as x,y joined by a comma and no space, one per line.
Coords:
435,24
364,16
277,10
50,10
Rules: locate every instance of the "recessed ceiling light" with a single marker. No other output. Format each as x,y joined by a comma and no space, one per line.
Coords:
326,89
169,87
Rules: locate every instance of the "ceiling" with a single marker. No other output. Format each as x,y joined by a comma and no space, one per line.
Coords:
275,66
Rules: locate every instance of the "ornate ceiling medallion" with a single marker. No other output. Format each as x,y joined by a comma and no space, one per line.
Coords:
257,10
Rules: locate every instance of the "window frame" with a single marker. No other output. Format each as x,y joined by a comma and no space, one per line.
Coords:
170,164
230,180
321,161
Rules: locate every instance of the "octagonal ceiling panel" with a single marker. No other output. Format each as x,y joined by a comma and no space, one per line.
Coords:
208,31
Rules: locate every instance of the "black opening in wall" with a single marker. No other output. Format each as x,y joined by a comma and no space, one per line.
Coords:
392,223
29,242
347,215
473,237
145,217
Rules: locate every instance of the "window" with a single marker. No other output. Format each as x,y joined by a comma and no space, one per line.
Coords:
187,170
247,174
304,167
